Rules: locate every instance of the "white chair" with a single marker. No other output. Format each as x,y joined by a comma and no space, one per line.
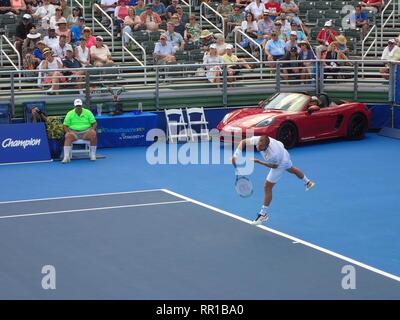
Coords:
197,118
80,148
176,125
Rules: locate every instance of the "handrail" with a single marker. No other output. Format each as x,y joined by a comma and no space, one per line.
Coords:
204,7
188,4
3,53
80,5
94,19
237,31
124,48
374,42
392,14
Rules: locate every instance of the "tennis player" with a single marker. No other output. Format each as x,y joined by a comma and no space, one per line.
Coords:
278,160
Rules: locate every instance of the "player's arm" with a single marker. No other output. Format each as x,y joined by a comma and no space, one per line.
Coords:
239,149
269,165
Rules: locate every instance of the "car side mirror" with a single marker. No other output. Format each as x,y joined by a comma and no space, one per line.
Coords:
313,109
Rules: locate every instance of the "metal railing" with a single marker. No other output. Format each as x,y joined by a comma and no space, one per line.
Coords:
374,42
204,9
188,3
4,54
238,45
391,16
180,81
94,19
80,4
125,48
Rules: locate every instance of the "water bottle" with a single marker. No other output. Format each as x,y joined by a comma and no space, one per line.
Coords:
140,107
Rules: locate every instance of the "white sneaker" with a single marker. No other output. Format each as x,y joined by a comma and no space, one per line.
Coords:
310,185
66,160
93,157
260,219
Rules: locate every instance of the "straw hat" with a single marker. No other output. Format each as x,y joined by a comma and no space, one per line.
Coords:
33,35
341,39
205,33
62,20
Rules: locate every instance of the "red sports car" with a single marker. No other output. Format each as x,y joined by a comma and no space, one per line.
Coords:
290,118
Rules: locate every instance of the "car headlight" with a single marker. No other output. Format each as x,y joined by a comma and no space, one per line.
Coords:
226,117
265,123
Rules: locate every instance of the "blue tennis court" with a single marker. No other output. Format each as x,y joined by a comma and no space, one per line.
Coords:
157,244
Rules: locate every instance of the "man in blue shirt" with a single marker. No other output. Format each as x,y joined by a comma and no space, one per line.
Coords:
361,20
70,62
38,51
159,8
164,50
76,30
275,49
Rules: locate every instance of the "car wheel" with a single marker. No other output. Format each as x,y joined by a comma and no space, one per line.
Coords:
357,126
287,134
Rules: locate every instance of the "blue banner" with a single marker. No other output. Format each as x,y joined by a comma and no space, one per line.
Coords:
23,142
126,130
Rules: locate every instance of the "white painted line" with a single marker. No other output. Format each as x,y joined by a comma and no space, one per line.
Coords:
81,196
27,162
337,255
90,209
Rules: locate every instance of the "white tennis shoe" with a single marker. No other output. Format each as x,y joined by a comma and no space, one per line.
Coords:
310,185
260,219
66,160
93,157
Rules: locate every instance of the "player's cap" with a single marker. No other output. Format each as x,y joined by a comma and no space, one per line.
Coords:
78,102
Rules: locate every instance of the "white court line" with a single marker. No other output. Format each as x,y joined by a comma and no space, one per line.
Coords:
26,162
296,240
90,209
81,196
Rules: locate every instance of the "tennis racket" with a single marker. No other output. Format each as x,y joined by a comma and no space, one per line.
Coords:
243,185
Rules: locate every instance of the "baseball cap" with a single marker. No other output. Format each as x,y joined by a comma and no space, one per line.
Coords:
78,102
328,23
293,49
293,33
68,47
99,38
213,46
392,41
229,46
163,36
26,16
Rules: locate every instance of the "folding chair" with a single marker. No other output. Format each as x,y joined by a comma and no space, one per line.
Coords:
197,118
80,148
4,113
176,125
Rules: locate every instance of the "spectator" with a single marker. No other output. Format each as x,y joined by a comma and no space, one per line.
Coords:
361,20
22,31
179,25
82,53
132,23
285,23
31,6
171,9
174,37
164,51
45,10
183,16
37,115
213,63
266,25
275,49
109,7
56,18
66,9
235,18
79,123
61,49
325,37
140,7
333,67
294,28
18,6
241,3
390,53
30,42
192,30
305,55
63,30
207,39
51,40
74,17
278,30
38,50
77,30
159,8
292,42
372,5
53,77
341,42
225,9
90,39
249,26
256,7
261,40
150,19
121,11
5,6
220,43
231,60
290,9
274,8
100,54
69,62
291,70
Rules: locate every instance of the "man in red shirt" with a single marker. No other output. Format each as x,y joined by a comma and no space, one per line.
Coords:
372,5
325,37
274,8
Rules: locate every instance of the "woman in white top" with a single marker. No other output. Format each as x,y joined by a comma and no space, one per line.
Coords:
210,60
56,18
221,45
74,16
82,53
250,26
50,63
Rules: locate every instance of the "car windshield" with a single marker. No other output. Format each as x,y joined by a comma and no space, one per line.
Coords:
287,101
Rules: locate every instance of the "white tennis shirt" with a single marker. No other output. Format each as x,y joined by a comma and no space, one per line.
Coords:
275,153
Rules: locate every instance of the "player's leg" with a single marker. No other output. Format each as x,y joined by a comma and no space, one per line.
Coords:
296,171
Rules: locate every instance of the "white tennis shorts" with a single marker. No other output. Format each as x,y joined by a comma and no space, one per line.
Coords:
274,175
